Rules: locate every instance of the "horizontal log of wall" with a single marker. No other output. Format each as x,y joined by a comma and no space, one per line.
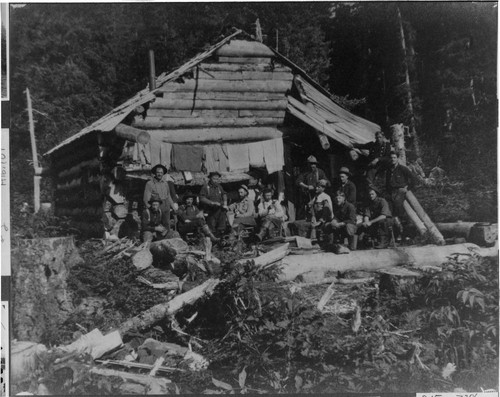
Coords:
216,134
219,96
231,67
243,48
197,103
132,134
228,85
164,122
90,164
259,61
211,113
243,75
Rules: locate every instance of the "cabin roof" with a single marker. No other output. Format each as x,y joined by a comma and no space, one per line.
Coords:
316,107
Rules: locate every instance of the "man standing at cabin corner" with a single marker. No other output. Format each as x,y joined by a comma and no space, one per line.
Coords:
159,187
214,200
307,182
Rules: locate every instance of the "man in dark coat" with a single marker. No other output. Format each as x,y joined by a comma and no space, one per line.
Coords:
192,219
155,221
377,158
399,179
307,182
345,186
214,201
376,219
344,221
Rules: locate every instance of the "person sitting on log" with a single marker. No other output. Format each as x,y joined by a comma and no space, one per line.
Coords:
243,210
155,221
192,219
214,200
377,155
321,217
399,179
162,186
271,215
343,224
376,219
346,186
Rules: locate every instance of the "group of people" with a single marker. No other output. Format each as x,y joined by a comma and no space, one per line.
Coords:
254,207
334,221
332,211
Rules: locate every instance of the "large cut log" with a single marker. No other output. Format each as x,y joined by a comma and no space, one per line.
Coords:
455,229
216,134
433,230
244,48
132,134
245,60
414,218
398,140
175,122
313,267
270,257
195,103
474,232
250,67
228,85
162,310
165,251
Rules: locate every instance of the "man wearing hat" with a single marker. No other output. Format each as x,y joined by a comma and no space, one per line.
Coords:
307,182
376,218
191,218
345,186
161,185
344,221
155,221
243,209
376,155
214,201
271,214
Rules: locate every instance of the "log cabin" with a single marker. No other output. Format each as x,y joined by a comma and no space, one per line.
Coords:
238,106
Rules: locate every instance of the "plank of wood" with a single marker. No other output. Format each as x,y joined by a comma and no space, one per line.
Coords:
260,102
276,86
176,122
219,96
238,60
141,379
183,113
221,66
244,75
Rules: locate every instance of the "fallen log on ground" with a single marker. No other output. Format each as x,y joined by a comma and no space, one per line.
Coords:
455,229
313,267
269,257
162,310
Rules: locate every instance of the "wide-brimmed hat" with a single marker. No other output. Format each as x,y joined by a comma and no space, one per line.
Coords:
344,170
211,174
375,189
312,160
155,199
153,170
322,183
244,187
189,195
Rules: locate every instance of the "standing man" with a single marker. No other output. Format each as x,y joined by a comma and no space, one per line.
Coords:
155,222
307,182
399,179
271,214
214,199
346,186
160,187
376,219
344,221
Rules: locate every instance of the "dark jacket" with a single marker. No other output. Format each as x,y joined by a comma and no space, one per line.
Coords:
349,189
377,207
151,219
188,213
212,193
398,177
345,213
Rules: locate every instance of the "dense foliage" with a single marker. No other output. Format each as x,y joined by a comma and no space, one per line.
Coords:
81,60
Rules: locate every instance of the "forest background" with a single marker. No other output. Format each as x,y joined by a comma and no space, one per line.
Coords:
82,60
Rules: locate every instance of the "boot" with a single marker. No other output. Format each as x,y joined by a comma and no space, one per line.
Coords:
207,232
383,242
353,243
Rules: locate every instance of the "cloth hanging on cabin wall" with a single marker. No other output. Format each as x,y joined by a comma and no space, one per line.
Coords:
187,157
215,158
256,154
165,154
238,157
274,155
154,147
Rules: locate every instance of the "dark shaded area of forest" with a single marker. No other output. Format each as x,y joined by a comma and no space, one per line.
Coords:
81,60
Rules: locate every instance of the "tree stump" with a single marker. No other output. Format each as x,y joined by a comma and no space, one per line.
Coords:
41,303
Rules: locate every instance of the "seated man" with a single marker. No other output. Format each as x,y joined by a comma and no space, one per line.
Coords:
271,215
243,209
214,201
155,222
191,219
344,185
376,219
344,222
